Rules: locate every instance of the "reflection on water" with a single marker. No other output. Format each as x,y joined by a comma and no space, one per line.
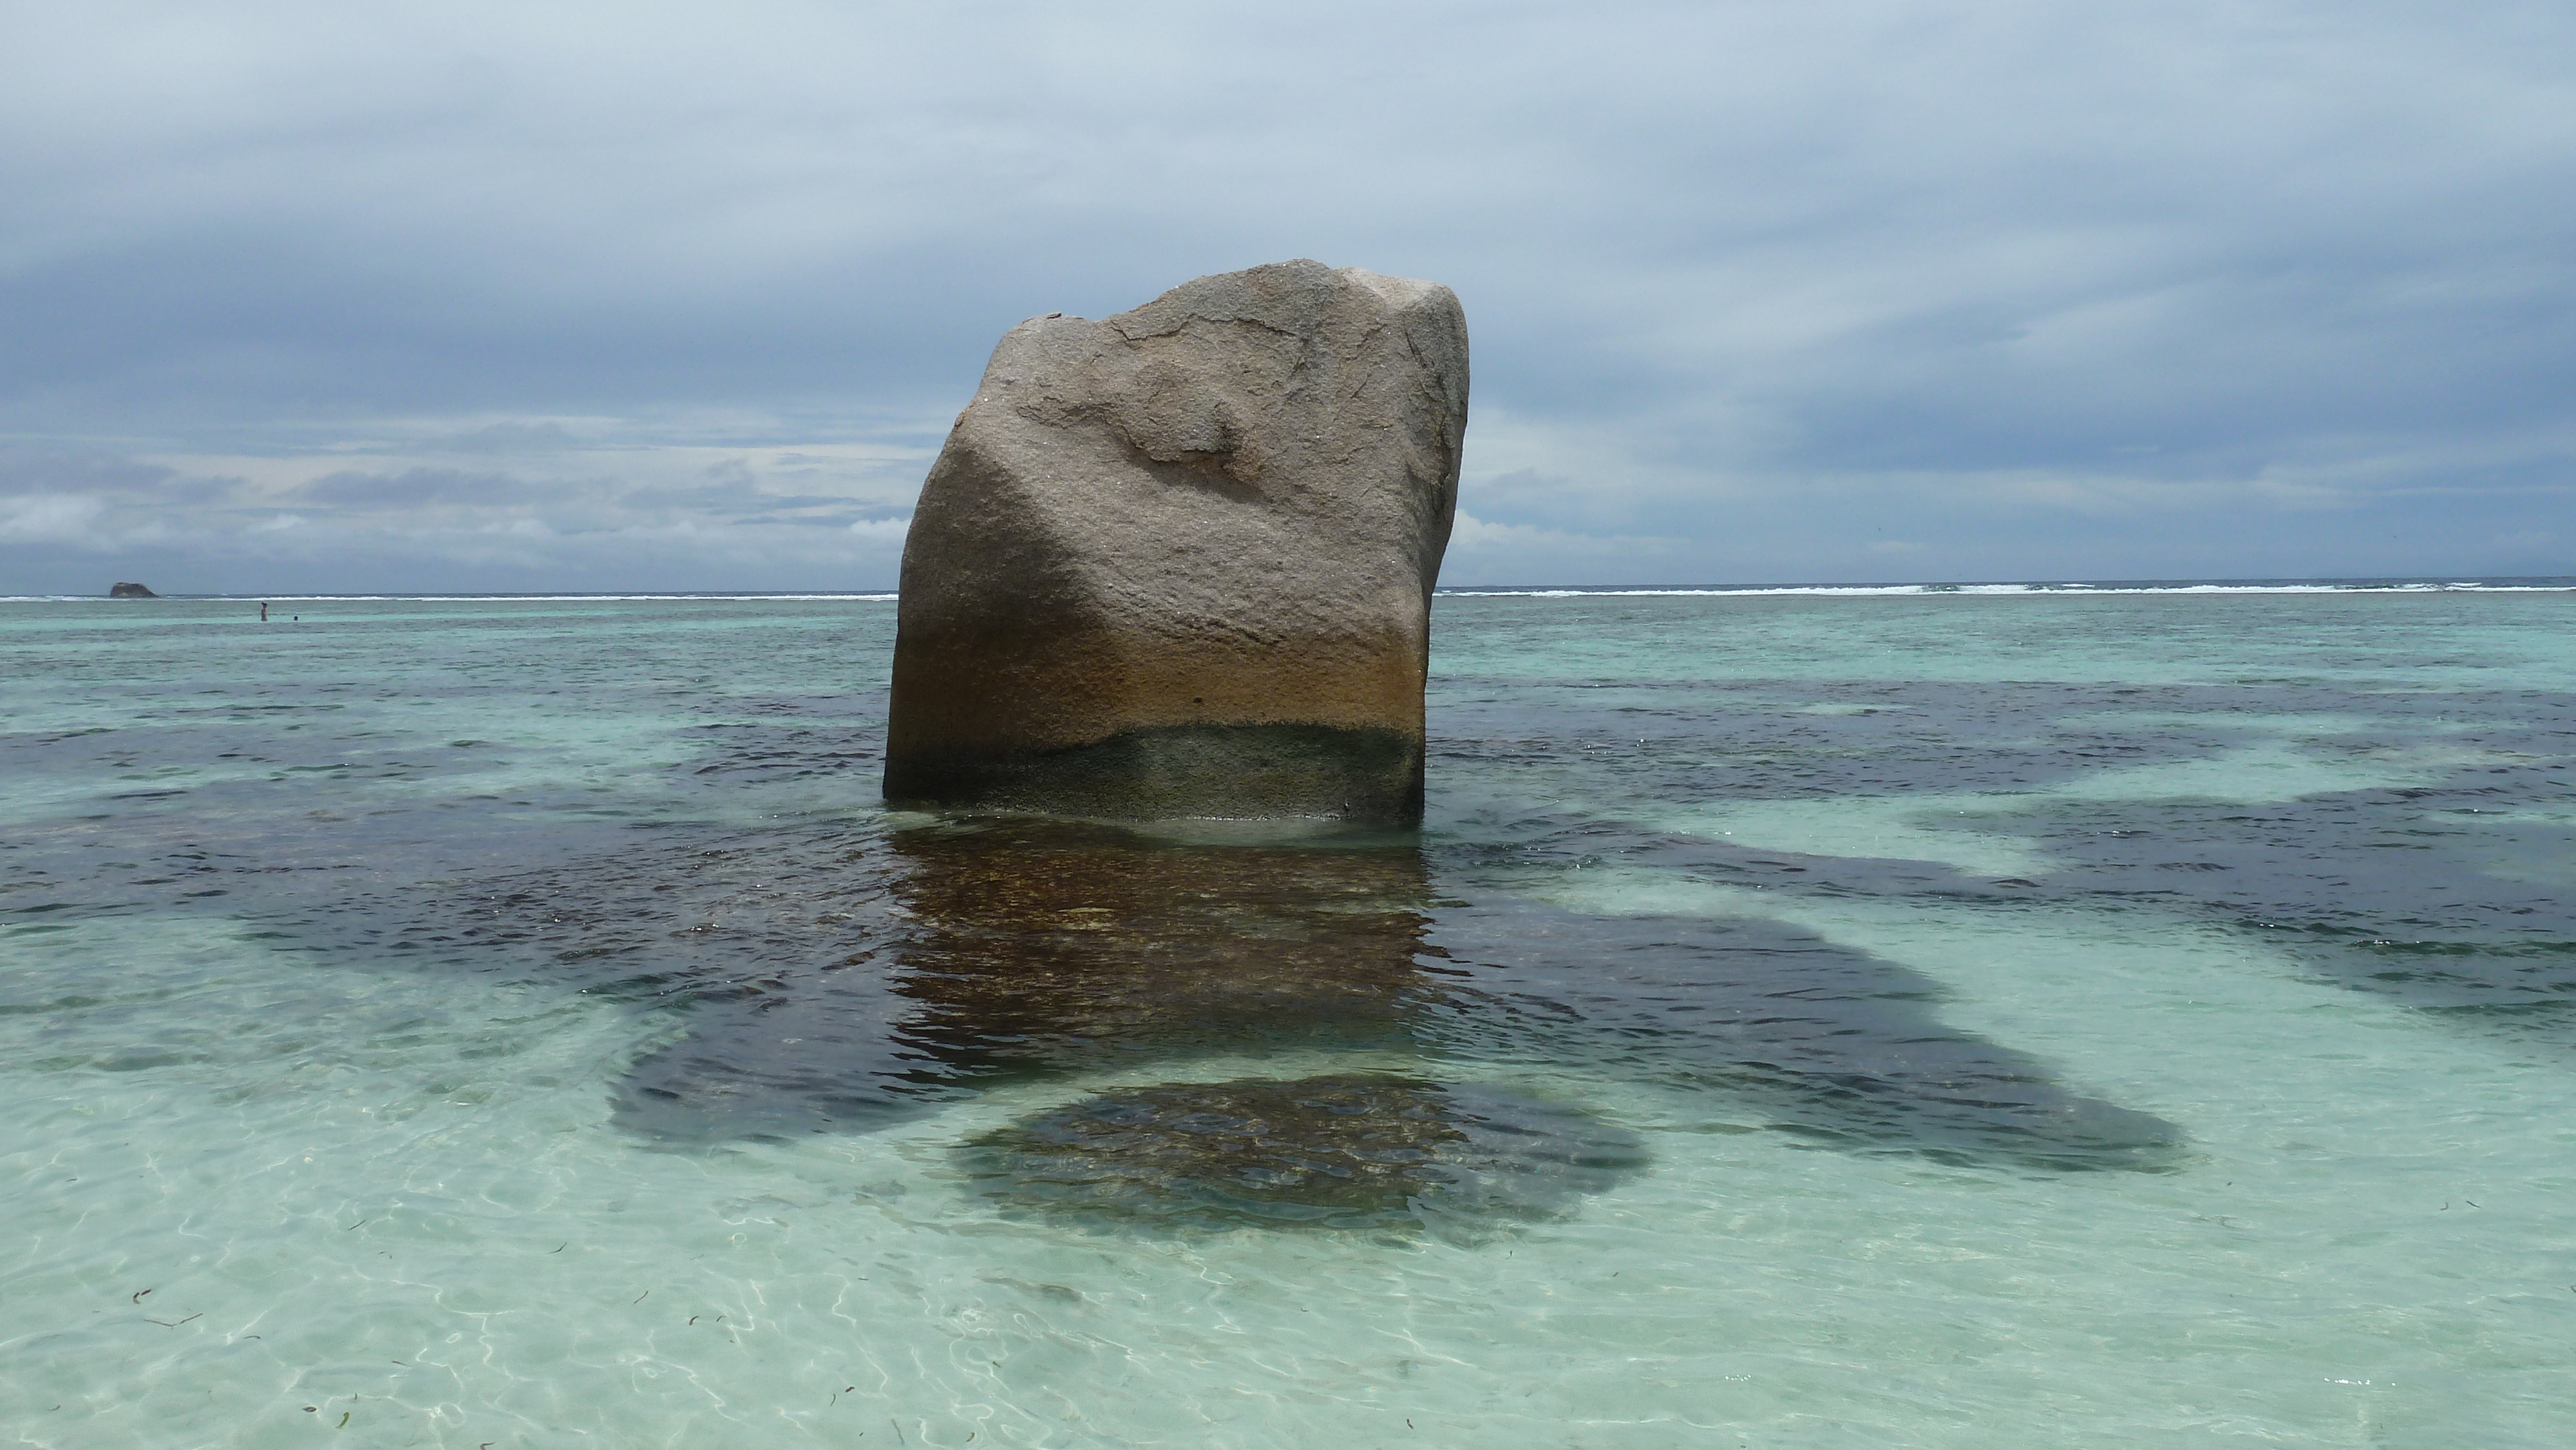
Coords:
1019,949
1048,945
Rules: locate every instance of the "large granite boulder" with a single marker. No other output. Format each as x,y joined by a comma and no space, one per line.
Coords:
131,591
1178,562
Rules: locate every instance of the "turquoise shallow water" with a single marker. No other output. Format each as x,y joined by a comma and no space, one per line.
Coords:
1805,1021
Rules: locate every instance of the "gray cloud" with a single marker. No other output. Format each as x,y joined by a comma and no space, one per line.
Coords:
1871,290
97,475
501,438
415,488
114,480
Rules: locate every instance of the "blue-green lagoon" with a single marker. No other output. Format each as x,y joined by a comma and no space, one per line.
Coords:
1808,1019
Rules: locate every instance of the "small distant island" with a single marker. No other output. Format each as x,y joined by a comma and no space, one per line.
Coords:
131,591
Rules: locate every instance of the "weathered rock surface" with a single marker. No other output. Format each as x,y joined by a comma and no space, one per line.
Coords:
1178,562
131,591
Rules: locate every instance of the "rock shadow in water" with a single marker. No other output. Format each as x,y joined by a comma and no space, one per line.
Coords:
1026,950
1787,1031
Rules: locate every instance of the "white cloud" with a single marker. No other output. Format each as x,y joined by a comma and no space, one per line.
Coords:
52,518
1483,552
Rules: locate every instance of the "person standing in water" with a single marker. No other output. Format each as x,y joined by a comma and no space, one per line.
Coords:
263,612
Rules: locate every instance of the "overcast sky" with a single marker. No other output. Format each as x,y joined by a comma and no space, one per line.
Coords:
643,296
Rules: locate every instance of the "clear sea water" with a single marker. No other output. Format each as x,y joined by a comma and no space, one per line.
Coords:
1889,1018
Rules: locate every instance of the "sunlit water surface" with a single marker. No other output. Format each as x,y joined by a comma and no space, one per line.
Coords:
1971,1021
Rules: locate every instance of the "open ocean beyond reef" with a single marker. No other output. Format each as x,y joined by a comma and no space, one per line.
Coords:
1977,1017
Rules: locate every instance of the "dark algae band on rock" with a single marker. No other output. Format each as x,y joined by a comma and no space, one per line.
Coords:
1163,772
1178,562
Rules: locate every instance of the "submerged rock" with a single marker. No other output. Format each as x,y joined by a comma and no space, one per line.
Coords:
131,591
1178,562
1338,1150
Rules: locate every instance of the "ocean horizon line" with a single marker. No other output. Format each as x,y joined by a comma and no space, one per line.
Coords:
2508,584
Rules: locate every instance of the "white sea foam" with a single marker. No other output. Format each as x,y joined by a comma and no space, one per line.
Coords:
2308,586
